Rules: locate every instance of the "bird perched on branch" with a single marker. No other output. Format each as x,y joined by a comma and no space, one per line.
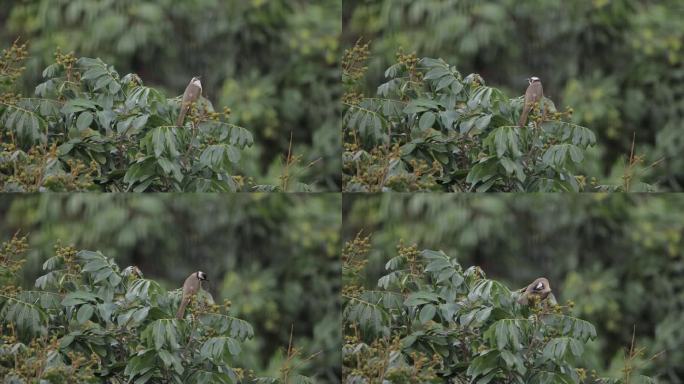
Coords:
192,93
191,286
535,292
533,95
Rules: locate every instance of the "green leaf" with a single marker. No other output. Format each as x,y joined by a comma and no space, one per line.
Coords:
370,316
557,155
143,289
163,333
162,140
514,361
218,157
437,73
557,349
51,70
78,105
445,82
420,298
420,105
571,326
28,318
508,164
490,291
77,298
93,73
482,122
171,168
144,361
141,170
139,122
427,120
27,125
218,349
84,313
171,360
483,364
483,171
427,313
228,326
546,377
509,334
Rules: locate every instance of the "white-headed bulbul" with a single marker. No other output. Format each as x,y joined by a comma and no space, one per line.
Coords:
537,291
191,286
192,93
533,95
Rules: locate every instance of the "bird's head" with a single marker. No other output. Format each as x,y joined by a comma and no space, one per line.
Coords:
541,285
201,275
533,79
196,81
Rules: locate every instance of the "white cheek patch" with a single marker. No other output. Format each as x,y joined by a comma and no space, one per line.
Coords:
539,286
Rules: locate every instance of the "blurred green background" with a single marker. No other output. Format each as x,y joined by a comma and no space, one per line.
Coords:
618,257
617,63
275,256
274,63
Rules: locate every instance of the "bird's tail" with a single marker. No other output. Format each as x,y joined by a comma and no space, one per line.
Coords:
181,308
181,115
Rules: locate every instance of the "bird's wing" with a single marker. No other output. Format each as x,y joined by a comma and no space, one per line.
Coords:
190,95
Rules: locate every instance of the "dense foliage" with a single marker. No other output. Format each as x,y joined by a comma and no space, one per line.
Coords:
430,128
274,63
618,64
276,257
90,129
89,321
618,257
430,321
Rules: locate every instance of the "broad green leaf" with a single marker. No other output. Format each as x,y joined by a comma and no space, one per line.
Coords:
77,298
427,120
427,313
84,313
420,297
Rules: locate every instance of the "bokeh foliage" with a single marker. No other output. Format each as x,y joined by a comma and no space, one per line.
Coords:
618,64
617,257
274,256
274,63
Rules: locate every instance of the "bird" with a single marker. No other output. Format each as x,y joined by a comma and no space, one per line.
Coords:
190,288
534,94
192,93
538,290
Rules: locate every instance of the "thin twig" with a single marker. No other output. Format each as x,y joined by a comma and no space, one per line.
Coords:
284,179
